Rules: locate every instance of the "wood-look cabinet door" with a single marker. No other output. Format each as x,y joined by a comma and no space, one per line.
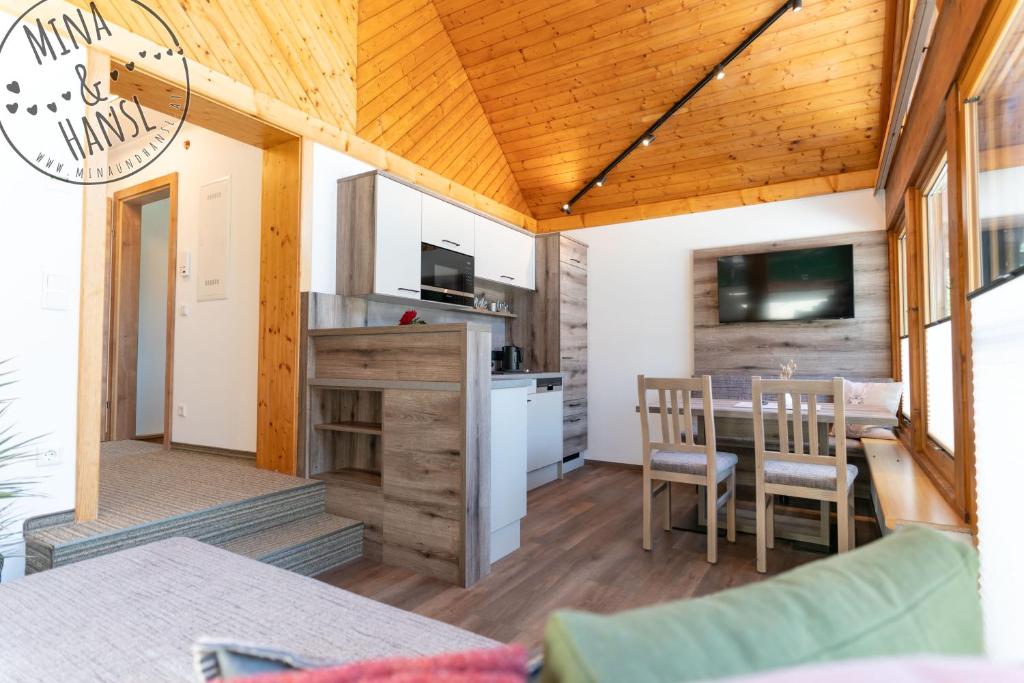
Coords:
572,323
447,226
504,255
572,253
397,239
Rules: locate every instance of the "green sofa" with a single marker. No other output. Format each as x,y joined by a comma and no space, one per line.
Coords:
915,591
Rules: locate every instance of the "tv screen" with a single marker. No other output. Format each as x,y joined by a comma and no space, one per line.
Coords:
802,284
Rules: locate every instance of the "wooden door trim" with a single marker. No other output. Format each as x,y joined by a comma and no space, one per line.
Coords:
132,199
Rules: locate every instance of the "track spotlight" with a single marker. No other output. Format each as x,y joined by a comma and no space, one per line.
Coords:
715,73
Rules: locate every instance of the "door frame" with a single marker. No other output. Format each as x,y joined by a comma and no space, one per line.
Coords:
126,207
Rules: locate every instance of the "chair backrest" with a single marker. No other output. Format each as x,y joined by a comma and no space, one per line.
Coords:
673,400
796,389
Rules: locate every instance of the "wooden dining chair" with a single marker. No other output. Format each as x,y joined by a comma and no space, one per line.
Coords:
676,457
814,475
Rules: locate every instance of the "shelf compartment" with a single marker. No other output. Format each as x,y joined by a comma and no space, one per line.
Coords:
348,476
374,428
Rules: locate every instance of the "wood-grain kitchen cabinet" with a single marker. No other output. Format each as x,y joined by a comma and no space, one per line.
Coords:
551,327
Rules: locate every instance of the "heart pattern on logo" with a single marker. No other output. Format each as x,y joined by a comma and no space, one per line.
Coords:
130,66
32,110
14,87
52,106
67,95
142,53
113,75
12,107
170,52
158,55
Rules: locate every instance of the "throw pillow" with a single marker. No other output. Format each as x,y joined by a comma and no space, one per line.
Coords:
877,395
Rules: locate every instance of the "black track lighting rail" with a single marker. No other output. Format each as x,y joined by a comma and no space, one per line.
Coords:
718,72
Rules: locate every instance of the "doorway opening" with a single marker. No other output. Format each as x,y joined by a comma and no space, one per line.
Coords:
140,310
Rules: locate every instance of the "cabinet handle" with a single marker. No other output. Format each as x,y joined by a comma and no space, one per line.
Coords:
508,277
575,405
450,242
406,289
575,259
575,419
566,357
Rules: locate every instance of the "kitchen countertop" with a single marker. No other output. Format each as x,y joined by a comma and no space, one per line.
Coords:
520,379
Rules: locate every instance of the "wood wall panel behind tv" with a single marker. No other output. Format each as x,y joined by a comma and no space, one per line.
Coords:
856,348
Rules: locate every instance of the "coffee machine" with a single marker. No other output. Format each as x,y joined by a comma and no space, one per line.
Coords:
507,359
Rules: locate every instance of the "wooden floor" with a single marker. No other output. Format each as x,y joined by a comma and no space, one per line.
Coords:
580,549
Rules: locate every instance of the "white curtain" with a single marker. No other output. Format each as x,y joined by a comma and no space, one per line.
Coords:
938,353
998,347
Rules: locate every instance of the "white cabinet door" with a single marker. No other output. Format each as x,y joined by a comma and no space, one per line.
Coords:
544,434
504,255
508,456
446,225
397,262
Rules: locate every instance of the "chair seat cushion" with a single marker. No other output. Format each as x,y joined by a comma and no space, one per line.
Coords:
808,475
691,463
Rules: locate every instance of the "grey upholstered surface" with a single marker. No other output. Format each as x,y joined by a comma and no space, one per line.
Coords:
690,463
809,475
133,616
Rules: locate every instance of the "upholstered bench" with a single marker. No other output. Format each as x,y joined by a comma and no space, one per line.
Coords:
134,616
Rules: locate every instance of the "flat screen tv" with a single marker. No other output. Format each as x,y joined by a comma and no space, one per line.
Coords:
801,284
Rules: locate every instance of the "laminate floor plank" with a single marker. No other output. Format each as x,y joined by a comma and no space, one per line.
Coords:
580,549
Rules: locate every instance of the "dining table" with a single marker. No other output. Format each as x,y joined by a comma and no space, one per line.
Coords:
734,432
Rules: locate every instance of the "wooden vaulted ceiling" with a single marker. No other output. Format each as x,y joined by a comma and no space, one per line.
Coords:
523,101
567,85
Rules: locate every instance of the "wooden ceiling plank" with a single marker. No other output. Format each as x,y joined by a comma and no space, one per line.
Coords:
655,96
794,189
689,66
855,88
796,127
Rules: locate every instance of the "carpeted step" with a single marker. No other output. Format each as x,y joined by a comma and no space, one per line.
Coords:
309,546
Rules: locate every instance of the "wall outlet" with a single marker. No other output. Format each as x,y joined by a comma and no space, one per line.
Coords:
181,410
48,456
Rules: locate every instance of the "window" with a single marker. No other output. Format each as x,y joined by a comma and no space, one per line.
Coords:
904,313
938,340
995,119
936,218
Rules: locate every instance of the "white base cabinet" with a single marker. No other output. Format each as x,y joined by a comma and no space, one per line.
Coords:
508,468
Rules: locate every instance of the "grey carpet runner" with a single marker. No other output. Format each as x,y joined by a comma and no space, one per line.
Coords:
148,494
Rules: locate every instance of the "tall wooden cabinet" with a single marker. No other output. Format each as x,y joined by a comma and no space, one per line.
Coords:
551,327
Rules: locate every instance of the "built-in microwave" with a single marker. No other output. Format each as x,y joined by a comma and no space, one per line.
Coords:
446,275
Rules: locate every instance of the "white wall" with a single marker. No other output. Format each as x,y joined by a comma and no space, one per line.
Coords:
40,233
152,356
640,296
215,346
321,169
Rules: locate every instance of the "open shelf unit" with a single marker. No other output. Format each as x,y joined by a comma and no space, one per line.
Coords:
345,442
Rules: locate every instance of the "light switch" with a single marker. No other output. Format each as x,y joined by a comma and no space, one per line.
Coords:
185,310
55,292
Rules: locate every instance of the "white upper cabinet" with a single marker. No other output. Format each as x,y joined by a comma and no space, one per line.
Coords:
447,226
504,255
398,229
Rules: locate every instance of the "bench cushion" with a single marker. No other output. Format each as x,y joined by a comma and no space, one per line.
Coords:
808,475
134,615
914,592
691,463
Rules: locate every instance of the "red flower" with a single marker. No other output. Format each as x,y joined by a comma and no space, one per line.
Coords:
407,318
